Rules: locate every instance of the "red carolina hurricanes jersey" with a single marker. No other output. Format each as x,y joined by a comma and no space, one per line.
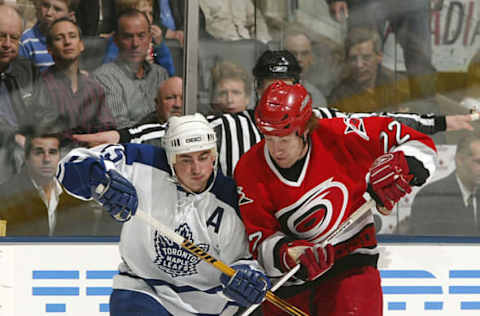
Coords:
331,186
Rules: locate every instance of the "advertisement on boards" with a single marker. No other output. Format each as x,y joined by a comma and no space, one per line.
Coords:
75,279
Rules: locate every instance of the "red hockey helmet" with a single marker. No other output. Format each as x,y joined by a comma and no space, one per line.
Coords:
283,109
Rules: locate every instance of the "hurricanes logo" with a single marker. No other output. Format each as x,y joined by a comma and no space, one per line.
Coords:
172,258
317,213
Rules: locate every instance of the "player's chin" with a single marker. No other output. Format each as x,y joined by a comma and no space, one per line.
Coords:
284,163
197,184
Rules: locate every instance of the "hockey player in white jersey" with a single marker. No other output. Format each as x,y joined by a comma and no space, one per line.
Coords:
181,187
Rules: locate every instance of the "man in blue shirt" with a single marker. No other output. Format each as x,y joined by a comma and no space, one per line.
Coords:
34,43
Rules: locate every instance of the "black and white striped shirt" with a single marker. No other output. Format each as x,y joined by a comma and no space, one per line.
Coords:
237,132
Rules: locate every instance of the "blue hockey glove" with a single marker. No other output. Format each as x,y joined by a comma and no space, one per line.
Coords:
115,193
246,286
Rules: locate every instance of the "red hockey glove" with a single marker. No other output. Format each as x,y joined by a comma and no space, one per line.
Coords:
314,260
389,180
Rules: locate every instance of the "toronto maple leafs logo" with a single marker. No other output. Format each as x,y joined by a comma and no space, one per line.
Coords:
172,258
355,125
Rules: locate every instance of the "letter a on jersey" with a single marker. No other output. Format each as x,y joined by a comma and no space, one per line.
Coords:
355,125
242,198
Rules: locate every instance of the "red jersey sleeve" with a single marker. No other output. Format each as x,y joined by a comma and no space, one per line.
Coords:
254,201
379,135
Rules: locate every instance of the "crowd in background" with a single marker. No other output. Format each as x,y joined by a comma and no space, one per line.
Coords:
71,67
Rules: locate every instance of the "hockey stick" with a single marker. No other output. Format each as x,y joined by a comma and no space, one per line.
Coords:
194,249
280,282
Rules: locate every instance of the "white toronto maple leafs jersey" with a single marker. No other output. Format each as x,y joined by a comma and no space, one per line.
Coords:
153,264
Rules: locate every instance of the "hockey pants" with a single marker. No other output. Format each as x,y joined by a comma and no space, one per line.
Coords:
131,303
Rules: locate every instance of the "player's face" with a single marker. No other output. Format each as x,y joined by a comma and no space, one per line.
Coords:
43,158
267,82
285,150
364,62
66,42
10,34
169,100
48,11
194,169
301,48
230,96
133,38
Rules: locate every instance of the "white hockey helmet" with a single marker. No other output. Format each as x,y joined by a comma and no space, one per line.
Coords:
186,134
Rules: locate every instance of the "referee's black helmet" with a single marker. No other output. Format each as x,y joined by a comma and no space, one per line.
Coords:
277,64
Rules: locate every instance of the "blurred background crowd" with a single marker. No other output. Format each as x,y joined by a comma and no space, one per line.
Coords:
72,67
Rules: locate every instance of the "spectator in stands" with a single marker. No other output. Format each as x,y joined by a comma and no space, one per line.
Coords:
96,17
369,87
234,20
472,93
232,88
299,44
34,41
289,73
27,11
450,206
277,13
410,20
130,82
18,76
33,202
158,50
168,102
64,93
170,15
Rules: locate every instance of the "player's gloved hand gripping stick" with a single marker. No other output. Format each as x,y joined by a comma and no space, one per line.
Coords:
361,211
191,247
247,286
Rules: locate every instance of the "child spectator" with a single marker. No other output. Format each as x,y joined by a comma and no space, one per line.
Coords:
34,41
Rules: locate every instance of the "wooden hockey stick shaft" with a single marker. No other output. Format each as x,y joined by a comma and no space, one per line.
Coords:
364,208
194,249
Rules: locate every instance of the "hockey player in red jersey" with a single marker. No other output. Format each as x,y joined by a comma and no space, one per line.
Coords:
304,179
